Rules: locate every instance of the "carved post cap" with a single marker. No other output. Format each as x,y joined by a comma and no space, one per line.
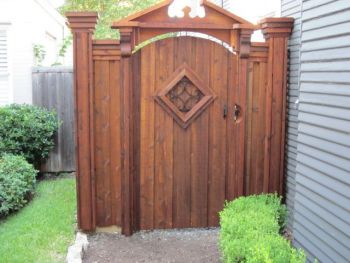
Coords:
276,26
82,21
245,32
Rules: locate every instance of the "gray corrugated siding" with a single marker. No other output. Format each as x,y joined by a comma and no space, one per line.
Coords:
292,8
318,180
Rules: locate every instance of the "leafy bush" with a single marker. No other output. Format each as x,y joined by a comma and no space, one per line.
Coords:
250,228
27,130
17,180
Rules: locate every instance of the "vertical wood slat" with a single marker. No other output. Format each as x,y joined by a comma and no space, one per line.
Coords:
200,144
163,155
267,144
101,141
127,139
182,151
232,187
241,125
147,137
136,60
249,176
254,119
53,90
285,56
115,142
217,137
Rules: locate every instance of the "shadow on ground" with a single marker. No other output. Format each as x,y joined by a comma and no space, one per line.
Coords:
185,245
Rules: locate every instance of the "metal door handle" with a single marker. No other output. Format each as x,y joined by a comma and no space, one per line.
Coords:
225,111
236,112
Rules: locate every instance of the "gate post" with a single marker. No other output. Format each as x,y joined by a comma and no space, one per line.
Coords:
126,45
82,26
276,31
243,43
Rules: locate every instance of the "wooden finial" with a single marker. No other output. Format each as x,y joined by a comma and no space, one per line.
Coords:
276,27
82,21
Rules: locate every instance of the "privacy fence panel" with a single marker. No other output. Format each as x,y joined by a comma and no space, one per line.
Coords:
53,90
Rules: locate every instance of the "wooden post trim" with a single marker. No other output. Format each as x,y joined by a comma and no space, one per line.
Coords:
82,26
126,46
276,31
243,47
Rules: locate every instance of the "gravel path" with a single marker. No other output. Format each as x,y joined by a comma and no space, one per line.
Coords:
185,245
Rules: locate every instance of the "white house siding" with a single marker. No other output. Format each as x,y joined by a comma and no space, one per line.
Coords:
322,182
31,22
5,77
292,8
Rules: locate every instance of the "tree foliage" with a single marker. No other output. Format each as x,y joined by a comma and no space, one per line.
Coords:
109,11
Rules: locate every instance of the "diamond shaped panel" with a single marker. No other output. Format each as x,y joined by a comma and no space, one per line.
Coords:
184,96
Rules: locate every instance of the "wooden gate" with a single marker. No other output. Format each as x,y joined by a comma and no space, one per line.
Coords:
187,88
168,129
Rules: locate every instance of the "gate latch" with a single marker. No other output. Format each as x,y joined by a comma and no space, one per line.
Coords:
225,111
236,112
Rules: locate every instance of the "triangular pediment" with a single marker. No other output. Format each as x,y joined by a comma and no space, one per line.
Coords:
157,16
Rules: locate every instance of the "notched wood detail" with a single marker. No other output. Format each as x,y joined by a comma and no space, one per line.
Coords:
245,32
184,96
126,41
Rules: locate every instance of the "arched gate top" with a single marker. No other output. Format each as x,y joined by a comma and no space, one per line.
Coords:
155,21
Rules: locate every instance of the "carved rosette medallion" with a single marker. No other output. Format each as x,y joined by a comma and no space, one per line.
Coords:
184,96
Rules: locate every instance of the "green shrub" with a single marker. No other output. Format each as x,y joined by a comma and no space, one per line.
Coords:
250,228
27,130
17,181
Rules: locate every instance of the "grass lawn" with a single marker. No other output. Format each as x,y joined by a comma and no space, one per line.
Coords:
41,231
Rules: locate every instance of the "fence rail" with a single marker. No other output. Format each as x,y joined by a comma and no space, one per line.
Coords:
53,89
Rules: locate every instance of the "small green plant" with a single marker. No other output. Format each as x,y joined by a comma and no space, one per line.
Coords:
17,181
250,231
28,131
39,53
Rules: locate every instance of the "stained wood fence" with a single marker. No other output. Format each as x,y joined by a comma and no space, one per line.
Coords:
168,132
53,90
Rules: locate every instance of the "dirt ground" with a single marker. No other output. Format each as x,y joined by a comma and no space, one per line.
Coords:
188,245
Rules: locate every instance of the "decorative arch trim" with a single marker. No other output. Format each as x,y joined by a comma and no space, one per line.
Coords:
188,34
155,21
